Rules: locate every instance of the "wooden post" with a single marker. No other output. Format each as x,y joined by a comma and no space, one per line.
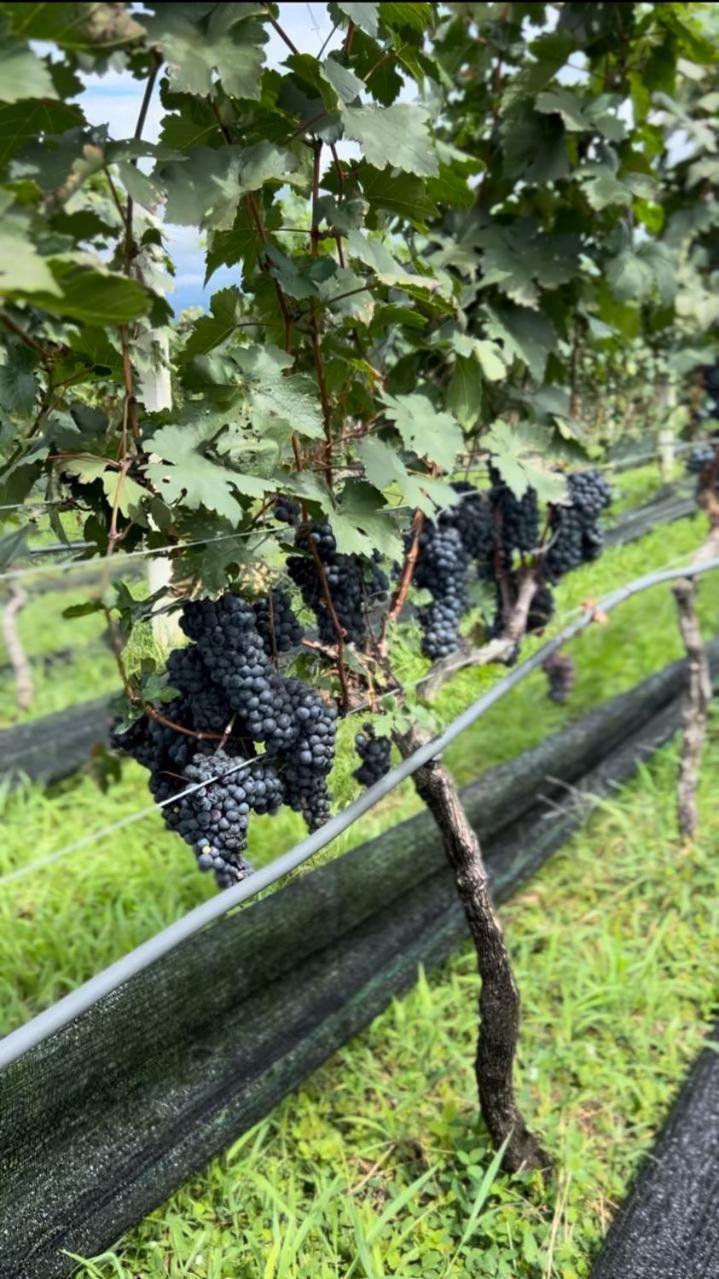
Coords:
155,388
666,454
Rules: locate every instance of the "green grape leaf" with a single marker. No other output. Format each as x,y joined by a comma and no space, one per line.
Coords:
400,193
347,86
188,474
18,383
13,545
397,136
206,188
22,75
417,16
22,269
211,330
517,258
21,121
384,468
199,40
520,455
424,429
363,524
584,114
363,15
83,293
88,27
464,396
528,335
278,399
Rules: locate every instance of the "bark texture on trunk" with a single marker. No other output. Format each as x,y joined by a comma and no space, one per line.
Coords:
696,707
499,997
15,650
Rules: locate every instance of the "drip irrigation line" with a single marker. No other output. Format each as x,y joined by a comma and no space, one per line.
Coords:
66,1010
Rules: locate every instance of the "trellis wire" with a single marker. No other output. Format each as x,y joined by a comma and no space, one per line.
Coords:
79,1001
96,836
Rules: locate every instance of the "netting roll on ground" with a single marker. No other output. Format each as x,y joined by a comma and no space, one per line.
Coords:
669,1227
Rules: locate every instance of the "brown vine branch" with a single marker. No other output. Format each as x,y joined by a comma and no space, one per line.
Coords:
695,711
282,34
13,643
399,598
499,998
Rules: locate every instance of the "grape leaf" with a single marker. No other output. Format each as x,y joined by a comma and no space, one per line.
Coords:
20,121
518,257
277,399
18,383
199,40
584,114
528,335
400,193
206,188
384,469
74,26
362,526
189,475
427,431
464,396
363,15
210,330
520,455
345,83
396,136
22,75
22,269
82,292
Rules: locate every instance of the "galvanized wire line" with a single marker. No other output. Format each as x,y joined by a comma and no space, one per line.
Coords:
118,561
94,837
66,1010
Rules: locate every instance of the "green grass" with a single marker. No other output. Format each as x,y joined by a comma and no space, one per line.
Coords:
378,1165
635,486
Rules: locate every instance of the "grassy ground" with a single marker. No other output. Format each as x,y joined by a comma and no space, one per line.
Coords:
632,488
378,1167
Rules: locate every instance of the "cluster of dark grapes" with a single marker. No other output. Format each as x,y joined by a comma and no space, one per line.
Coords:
516,519
277,624
442,568
229,688
575,535
490,529
559,669
375,754
353,583
700,456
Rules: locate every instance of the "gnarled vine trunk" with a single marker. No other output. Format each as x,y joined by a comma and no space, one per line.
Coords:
696,707
499,997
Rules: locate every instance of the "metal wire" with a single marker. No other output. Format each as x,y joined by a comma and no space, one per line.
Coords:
62,1013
